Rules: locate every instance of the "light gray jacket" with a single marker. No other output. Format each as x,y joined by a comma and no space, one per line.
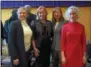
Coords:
57,35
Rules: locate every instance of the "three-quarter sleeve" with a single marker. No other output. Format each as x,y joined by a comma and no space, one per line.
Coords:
33,29
63,38
83,39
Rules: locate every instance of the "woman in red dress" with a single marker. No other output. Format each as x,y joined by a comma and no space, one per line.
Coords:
73,40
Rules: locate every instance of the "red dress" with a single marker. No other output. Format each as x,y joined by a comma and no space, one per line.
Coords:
73,43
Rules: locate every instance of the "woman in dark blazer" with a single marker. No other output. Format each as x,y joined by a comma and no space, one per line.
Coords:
42,34
58,22
20,39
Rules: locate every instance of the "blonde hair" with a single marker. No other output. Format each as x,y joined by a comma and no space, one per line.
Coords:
41,7
38,10
71,9
19,10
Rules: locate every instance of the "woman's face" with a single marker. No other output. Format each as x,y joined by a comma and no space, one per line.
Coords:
73,16
57,14
22,14
42,14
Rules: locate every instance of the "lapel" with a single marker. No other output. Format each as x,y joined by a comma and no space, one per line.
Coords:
20,27
21,34
60,24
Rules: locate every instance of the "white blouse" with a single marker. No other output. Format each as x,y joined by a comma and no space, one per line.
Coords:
27,34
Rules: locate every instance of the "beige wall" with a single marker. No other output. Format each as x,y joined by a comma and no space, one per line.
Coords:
85,17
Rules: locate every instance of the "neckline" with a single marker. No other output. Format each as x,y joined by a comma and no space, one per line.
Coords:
73,22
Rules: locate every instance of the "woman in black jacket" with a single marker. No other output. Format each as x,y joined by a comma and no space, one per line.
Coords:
43,37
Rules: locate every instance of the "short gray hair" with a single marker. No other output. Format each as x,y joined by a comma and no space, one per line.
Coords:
27,6
73,9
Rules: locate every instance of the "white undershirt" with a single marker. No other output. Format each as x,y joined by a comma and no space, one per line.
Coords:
27,35
56,25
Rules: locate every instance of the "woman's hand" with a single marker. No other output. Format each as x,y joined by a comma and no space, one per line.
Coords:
36,52
16,61
84,59
63,60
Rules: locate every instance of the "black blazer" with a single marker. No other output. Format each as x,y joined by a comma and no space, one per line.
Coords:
30,18
16,43
38,30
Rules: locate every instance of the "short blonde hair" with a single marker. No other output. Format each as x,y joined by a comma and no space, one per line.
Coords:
38,9
41,7
71,9
19,10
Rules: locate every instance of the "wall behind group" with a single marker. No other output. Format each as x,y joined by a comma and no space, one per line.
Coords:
85,17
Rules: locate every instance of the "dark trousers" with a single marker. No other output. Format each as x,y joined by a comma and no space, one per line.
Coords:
28,54
44,55
56,58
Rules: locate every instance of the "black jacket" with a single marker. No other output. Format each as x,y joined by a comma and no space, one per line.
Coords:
37,27
31,17
16,43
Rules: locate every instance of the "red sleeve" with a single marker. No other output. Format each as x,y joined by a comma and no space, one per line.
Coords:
63,39
83,40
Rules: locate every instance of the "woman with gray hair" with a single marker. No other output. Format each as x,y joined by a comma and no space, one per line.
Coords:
73,40
30,16
42,33
20,40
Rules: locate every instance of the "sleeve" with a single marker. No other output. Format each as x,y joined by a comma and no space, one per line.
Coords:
83,39
52,30
12,41
2,31
63,38
6,30
34,30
